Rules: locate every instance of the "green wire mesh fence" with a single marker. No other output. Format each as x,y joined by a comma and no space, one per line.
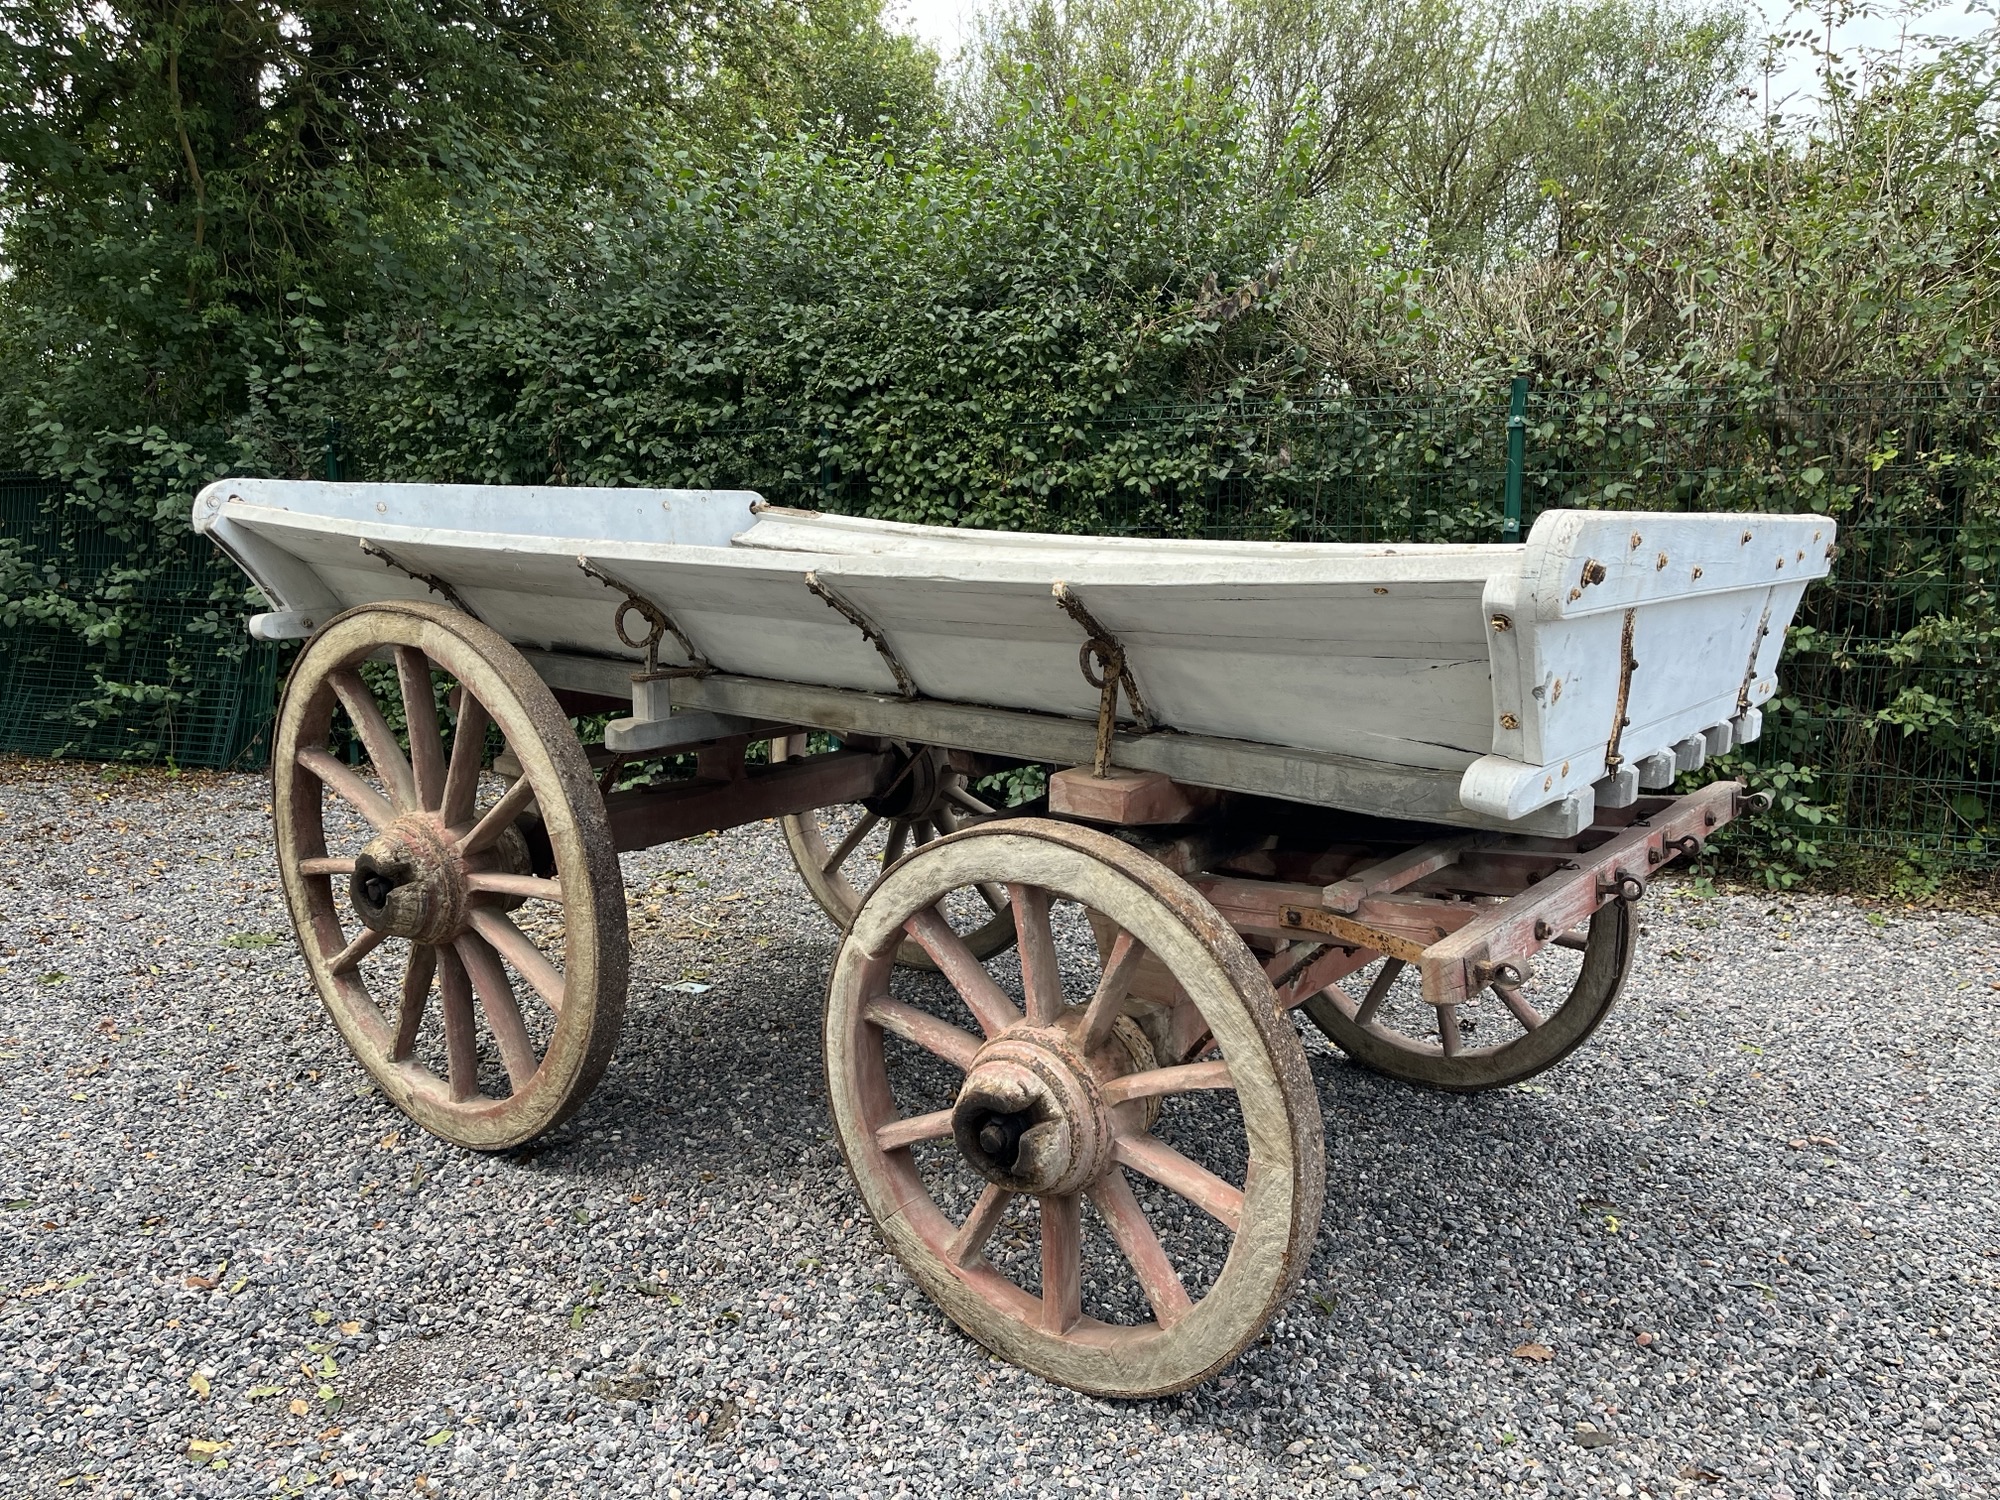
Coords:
112,649
1886,738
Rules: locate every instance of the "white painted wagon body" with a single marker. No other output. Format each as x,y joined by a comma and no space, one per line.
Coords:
1517,686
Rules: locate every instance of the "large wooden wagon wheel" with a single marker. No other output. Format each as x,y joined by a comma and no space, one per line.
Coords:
469,942
842,851
1508,1033
1005,1104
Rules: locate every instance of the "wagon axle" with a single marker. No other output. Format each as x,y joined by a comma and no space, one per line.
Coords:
999,1137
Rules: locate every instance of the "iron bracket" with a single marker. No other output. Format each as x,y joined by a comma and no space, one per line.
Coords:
906,686
1102,659
429,580
658,622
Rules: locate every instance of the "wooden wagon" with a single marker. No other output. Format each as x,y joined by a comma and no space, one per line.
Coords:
1094,818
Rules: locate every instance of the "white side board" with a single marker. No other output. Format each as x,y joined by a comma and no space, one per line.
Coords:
1636,634
1383,655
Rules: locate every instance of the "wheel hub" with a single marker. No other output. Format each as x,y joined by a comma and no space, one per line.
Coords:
408,882
916,791
1029,1116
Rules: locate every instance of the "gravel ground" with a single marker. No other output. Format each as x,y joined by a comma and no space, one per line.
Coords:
1752,1228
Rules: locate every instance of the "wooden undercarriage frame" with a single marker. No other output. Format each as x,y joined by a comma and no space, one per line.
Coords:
1464,910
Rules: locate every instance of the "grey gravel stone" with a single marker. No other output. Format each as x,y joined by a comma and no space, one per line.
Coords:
1754,1223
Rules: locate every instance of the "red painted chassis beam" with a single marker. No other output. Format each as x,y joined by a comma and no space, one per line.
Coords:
1457,944
641,819
1459,966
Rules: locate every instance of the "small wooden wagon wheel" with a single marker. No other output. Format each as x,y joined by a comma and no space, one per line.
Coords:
842,851
1391,1029
473,956
1171,1205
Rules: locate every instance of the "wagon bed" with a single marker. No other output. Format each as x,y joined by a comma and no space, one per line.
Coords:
1514,686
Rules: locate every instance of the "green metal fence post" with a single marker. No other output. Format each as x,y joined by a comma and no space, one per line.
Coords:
1517,458
333,463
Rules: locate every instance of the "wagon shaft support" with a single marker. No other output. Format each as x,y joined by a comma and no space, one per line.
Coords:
641,819
1395,873
1507,934
1399,925
1470,913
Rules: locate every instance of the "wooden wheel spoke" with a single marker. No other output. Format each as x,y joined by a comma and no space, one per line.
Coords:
1518,1003
503,1011
1141,1245
913,1128
468,753
939,1038
519,950
1152,1157
498,883
1378,991
496,819
417,978
1062,1261
1450,1041
376,737
985,999
345,784
1108,1003
327,865
868,824
413,674
348,959
994,896
899,841
969,1243
1041,973
1320,973
966,800
1175,1080
460,1041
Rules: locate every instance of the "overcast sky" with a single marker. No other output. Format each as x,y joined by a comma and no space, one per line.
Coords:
943,23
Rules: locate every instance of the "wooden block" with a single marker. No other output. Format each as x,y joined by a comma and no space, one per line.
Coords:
1126,797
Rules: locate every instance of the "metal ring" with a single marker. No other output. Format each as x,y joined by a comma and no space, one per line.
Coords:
654,619
1109,664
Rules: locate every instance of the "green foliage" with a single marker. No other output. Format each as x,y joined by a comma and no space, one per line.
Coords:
1859,246
195,198
931,328
1467,132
